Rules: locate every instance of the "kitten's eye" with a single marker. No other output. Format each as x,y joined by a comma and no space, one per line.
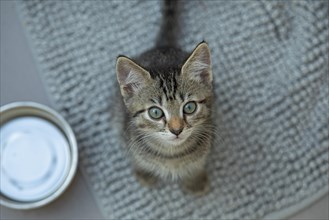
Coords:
189,108
155,113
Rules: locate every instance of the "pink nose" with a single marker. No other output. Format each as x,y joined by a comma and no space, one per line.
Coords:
176,131
176,125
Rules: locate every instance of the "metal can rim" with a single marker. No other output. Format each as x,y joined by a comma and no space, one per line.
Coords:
69,134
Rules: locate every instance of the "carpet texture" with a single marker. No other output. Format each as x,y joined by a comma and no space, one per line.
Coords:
270,65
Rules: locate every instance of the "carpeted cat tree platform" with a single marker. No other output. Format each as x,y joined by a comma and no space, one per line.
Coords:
270,65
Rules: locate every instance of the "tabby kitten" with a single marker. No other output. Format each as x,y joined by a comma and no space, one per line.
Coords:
168,95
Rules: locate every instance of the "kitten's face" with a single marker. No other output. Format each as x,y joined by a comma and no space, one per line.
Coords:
169,107
171,117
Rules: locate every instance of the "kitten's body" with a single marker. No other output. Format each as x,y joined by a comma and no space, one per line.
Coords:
166,57
170,81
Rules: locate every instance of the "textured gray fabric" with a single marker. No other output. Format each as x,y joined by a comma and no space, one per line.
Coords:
270,64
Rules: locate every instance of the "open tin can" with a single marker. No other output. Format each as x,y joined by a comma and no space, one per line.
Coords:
38,155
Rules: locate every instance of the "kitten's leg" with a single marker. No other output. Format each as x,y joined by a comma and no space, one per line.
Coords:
197,184
145,178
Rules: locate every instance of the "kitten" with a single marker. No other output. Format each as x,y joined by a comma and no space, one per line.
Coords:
168,95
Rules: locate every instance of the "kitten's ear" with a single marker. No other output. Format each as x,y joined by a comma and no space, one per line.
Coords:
131,76
198,66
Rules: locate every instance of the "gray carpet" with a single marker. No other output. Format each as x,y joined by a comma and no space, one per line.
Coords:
270,64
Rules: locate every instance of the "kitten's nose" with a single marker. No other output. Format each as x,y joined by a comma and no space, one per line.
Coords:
176,125
176,131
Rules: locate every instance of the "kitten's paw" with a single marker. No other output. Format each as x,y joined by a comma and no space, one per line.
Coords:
145,178
197,185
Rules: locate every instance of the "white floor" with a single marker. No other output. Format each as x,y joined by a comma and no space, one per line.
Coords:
19,82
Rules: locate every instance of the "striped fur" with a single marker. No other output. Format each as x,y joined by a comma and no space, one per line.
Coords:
174,146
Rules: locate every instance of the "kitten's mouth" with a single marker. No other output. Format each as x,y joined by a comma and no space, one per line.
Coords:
174,139
177,139
181,137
